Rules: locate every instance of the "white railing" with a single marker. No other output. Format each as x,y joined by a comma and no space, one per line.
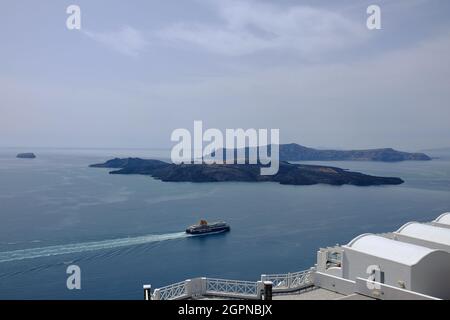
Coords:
232,288
290,281
199,287
175,291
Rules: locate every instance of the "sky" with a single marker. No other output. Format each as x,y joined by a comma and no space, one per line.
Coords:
136,71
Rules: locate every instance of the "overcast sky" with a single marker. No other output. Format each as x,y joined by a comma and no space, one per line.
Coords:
137,70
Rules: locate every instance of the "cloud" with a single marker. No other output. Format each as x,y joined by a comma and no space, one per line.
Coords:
248,27
397,98
127,40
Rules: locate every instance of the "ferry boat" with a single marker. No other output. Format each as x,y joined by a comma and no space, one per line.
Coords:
203,227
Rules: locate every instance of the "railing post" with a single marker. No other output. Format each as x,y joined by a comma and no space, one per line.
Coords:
147,292
196,287
268,286
157,294
204,285
259,289
289,280
188,286
263,277
311,275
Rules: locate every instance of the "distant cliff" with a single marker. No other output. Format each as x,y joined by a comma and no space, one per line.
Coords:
26,155
289,174
296,152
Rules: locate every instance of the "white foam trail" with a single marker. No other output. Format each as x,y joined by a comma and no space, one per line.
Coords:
86,246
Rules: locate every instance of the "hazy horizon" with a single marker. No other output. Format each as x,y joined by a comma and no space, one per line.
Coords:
31,148
133,74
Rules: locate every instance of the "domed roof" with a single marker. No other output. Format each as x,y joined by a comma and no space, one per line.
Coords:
381,247
443,218
426,232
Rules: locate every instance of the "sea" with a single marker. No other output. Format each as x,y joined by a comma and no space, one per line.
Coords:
124,231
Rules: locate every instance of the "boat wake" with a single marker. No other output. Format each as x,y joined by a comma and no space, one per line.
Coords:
86,246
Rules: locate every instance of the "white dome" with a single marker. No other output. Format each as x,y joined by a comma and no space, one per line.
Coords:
381,247
443,218
426,232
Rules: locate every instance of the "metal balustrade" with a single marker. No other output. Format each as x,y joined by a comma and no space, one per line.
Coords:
232,288
239,289
290,281
175,291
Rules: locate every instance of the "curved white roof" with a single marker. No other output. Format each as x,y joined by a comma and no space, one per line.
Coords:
426,232
401,252
443,218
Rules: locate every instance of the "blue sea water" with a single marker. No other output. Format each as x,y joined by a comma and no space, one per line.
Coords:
125,231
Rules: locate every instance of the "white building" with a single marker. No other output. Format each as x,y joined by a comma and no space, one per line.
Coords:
442,221
427,235
411,263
